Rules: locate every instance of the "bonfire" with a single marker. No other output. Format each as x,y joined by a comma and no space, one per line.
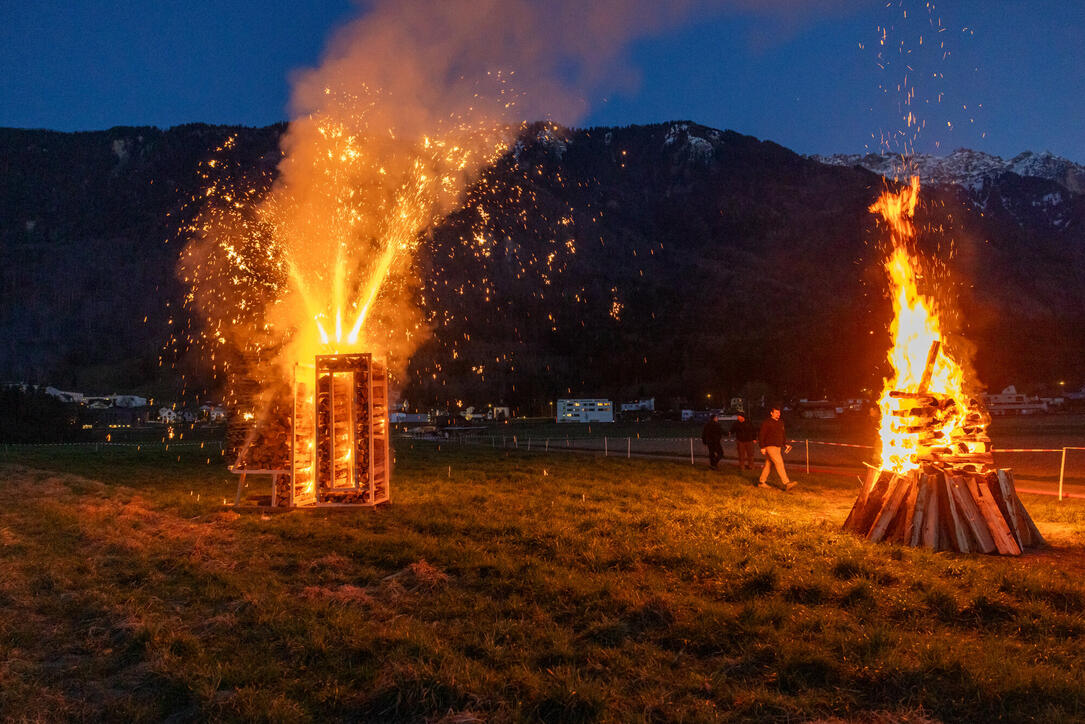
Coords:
935,483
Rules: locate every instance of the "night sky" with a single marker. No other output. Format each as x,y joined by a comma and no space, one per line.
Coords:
1015,78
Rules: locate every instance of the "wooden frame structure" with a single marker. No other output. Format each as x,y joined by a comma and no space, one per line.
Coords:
339,447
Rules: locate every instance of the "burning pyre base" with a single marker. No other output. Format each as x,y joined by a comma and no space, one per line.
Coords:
945,510
325,441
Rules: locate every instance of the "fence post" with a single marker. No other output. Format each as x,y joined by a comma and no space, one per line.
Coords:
691,452
1062,471
807,457
605,453
547,444
516,441
629,447
529,443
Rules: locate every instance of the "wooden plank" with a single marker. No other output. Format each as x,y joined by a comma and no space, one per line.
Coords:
873,504
996,524
929,536
850,523
894,496
1036,540
919,508
901,530
853,523
872,475
953,523
1001,484
909,503
970,514
928,369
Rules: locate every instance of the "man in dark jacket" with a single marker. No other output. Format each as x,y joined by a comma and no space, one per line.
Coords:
773,438
711,436
744,433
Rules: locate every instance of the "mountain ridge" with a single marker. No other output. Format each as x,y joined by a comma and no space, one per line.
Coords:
705,260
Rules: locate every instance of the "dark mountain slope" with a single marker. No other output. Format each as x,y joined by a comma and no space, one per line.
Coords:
661,260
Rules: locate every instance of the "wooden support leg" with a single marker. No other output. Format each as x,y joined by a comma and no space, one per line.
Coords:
240,482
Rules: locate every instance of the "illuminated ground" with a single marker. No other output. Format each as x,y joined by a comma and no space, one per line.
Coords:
509,587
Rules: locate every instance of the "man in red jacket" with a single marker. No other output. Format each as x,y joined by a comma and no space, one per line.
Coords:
772,438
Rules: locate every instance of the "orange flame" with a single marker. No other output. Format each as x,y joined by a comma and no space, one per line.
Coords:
916,330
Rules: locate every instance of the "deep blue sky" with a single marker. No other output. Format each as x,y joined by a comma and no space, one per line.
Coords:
807,83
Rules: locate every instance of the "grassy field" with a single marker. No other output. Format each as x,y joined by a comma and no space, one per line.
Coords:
506,586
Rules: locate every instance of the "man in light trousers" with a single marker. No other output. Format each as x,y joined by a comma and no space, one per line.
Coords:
771,439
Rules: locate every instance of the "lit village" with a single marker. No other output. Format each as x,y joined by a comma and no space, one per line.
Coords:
465,389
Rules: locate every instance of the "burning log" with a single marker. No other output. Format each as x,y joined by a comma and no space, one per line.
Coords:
945,512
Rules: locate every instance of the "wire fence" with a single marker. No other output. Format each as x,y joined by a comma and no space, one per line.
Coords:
1052,471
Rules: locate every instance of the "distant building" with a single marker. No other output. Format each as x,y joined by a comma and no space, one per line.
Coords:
648,405
128,401
1009,402
212,412
585,410
408,417
820,409
705,415
64,396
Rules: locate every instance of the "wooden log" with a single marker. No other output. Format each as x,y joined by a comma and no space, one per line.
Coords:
857,513
929,536
874,503
928,369
1036,540
926,397
902,531
893,498
996,524
919,509
953,525
1001,485
970,515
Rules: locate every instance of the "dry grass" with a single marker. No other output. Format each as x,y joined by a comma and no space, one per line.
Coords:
596,590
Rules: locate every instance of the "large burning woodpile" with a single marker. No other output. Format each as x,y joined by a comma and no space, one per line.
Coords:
936,484
325,440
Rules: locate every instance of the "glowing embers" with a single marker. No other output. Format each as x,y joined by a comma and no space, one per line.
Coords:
339,449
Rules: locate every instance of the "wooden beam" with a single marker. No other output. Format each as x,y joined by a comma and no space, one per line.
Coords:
928,369
996,524
970,514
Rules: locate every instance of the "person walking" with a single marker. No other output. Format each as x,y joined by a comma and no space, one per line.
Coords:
744,433
711,435
773,439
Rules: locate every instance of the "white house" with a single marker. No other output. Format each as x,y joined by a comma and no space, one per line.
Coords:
128,401
1009,402
64,396
585,410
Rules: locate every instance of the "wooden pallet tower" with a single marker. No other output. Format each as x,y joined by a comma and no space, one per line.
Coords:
339,449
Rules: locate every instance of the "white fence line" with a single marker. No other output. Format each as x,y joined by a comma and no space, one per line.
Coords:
674,445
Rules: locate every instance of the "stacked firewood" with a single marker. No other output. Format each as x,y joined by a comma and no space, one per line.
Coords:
944,510
258,423
955,499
